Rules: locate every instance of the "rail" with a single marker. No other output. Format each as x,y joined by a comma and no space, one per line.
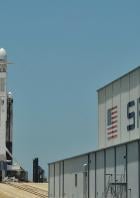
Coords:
30,189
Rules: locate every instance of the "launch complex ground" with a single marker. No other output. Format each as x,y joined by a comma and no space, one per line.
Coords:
23,190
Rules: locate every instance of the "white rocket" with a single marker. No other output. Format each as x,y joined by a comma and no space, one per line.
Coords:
3,103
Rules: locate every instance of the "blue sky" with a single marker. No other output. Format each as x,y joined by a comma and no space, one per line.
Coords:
63,52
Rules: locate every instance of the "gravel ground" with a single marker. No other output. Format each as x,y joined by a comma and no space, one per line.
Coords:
7,191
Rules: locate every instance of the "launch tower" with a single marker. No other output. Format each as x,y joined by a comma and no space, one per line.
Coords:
6,117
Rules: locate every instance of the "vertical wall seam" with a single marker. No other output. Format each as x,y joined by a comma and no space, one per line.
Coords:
104,171
54,179
105,143
129,100
88,173
120,109
126,172
48,180
139,166
59,178
63,181
95,175
115,166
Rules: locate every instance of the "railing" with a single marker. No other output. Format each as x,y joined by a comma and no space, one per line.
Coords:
116,186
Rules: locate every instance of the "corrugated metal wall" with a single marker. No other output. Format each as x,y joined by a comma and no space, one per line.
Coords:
98,174
133,169
92,175
123,95
113,171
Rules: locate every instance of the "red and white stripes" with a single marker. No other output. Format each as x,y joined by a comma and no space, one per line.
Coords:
112,129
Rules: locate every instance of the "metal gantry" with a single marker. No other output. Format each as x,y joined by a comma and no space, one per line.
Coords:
116,186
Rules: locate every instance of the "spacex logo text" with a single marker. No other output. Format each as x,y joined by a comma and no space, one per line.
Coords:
133,117
133,114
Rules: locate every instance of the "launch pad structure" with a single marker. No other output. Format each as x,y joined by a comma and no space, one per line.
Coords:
7,167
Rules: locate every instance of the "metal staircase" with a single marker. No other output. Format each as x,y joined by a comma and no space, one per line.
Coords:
116,186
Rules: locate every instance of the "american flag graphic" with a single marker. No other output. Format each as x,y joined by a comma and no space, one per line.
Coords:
112,119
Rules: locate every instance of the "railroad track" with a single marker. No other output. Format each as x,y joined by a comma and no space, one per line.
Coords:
30,189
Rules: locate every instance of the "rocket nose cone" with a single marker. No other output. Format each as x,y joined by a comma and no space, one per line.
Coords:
3,54
10,95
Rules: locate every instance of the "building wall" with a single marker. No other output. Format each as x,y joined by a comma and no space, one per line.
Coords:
74,176
113,170
116,168
92,174
99,173
119,107
52,180
133,169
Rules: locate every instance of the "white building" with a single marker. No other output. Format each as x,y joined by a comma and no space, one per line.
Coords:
114,169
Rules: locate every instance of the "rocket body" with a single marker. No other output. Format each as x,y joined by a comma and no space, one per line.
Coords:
3,103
